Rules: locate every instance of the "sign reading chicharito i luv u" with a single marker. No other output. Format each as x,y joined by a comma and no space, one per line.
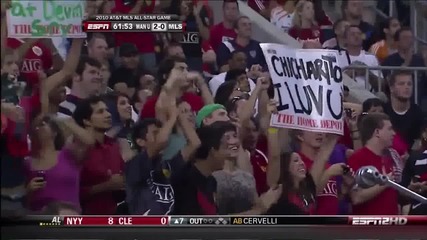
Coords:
46,18
309,88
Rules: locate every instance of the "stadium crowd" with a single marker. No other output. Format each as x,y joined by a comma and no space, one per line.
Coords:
139,123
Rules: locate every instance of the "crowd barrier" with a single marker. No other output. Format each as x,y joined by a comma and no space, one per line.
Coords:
381,82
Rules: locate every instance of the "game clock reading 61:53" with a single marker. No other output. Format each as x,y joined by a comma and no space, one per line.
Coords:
122,26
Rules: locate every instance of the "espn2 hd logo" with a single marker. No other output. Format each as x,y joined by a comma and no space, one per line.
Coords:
381,221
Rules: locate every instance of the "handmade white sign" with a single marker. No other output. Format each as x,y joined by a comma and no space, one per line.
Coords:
309,88
46,18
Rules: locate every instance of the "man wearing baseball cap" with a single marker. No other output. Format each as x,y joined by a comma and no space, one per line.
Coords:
211,113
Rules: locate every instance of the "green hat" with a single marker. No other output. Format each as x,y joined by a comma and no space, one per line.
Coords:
206,111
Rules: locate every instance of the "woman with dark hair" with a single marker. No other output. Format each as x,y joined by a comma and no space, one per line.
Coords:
53,170
386,44
298,188
300,185
372,105
227,91
120,106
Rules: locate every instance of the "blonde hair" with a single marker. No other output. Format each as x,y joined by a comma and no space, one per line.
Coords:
297,21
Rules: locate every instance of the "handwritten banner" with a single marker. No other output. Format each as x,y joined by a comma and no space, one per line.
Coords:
46,18
309,88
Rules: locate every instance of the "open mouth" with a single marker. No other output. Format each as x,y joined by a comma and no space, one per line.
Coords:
301,170
234,148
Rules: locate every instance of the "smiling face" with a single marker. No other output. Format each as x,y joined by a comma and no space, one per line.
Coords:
297,168
124,108
228,149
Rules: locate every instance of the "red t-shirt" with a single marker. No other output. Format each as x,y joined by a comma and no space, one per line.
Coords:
327,201
38,57
18,146
101,161
310,34
385,203
400,145
306,34
149,109
145,42
207,68
259,163
220,34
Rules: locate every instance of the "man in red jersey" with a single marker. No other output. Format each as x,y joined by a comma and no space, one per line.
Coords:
376,132
145,42
40,55
172,74
224,30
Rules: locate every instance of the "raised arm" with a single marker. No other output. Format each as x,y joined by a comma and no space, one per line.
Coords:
319,164
165,131
80,139
193,141
201,84
168,91
273,167
5,5
60,77
201,23
248,108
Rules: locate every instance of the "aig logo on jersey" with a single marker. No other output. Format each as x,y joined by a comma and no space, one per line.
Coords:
381,221
190,38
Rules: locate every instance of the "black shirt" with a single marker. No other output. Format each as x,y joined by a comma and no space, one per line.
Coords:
148,184
416,165
408,125
369,31
191,49
396,60
123,75
194,193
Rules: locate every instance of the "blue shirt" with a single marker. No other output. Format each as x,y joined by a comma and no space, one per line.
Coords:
253,53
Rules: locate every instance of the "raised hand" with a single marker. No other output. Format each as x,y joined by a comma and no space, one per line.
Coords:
272,106
255,71
270,197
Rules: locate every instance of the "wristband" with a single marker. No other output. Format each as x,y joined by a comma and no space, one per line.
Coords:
273,130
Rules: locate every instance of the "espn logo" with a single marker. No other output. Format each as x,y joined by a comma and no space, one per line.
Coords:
96,26
379,221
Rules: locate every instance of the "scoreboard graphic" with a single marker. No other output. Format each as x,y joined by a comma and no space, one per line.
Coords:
159,23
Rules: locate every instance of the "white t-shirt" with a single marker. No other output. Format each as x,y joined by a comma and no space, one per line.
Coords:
281,19
371,61
219,79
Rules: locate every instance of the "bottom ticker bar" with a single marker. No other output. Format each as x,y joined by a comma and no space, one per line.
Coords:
200,221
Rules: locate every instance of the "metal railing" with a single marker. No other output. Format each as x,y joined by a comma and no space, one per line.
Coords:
414,21
382,81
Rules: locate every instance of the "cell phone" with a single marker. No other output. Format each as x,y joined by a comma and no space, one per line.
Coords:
348,112
416,179
129,2
41,174
345,169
